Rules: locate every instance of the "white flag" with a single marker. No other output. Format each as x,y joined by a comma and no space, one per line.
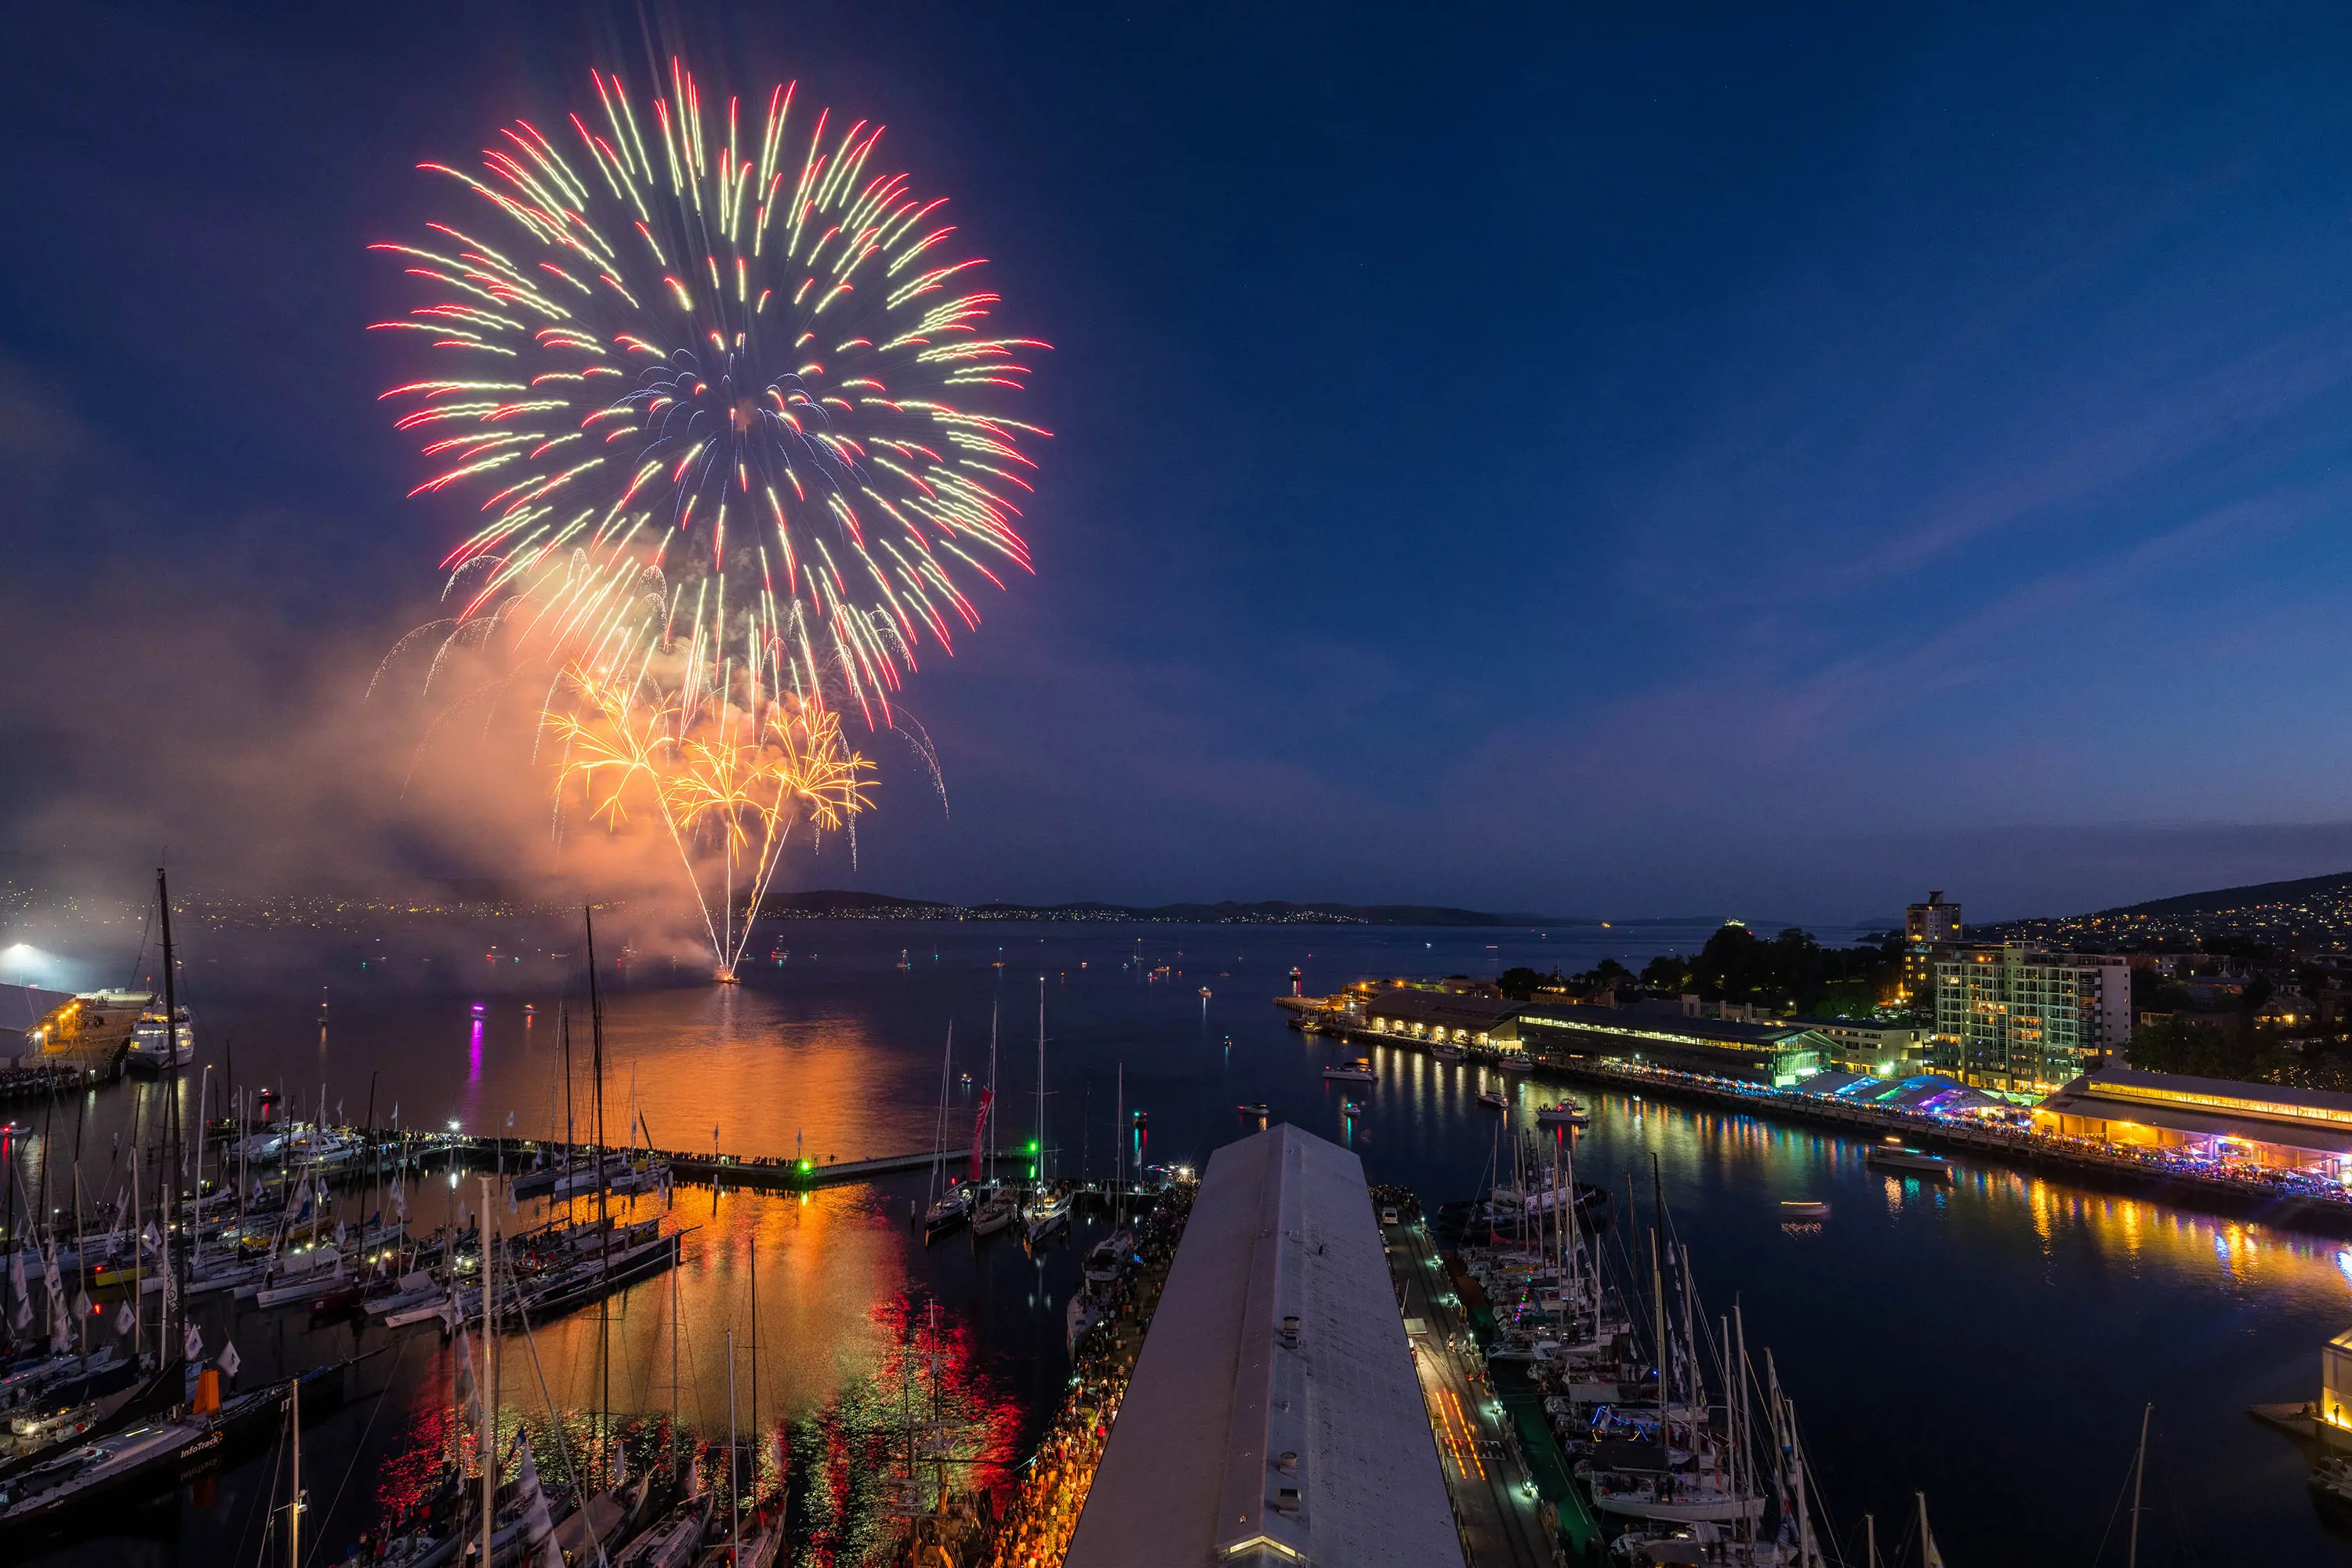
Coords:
49,1276
465,1400
126,1319
24,1312
539,1530
148,1238
193,1347
60,1326
81,1304
228,1360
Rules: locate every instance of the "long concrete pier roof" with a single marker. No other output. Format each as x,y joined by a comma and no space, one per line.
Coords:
1274,1415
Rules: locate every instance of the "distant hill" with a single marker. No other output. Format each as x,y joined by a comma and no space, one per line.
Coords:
843,904
2330,889
2306,911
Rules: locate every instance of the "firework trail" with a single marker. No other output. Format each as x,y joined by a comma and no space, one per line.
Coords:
727,398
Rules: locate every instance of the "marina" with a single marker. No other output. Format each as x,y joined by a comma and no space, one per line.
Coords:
835,1048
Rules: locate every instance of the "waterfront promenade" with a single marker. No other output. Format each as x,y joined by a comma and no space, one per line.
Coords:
2269,1198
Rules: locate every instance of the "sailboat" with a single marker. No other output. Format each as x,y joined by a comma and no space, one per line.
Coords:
953,1207
1002,1206
1049,1205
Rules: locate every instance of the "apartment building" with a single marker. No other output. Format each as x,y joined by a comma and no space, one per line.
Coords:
2021,1020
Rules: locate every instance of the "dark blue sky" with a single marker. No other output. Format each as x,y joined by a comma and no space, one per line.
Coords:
1683,463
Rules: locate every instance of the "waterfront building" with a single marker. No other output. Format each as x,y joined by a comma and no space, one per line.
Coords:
1276,1412
1440,1017
2251,1124
57,1029
1779,1053
1879,1047
1926,928
2021,1019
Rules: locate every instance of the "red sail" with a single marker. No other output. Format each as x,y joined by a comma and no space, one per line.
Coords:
987,1096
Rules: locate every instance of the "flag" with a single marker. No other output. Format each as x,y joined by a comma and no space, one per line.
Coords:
81,1304
60,1327
395,1113
539,1530
24,1312
228,1360
50,1279
148,1238
126,1319
466,1401
193,1347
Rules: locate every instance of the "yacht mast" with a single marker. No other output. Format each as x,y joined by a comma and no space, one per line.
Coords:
1041,1083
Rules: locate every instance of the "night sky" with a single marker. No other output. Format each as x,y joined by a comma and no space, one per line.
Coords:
1553,458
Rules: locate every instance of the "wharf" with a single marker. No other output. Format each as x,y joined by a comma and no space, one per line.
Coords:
373,1152
23,1082
2073,1157
1488,1477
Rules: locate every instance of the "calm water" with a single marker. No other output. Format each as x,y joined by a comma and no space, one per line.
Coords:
1991,1343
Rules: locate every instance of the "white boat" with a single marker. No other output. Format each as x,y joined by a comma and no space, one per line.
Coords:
410,1289
1079,1321
996,1211
949,1209
441,1307
671,1543
1910,1162
1566,1114
1357,1071
1445,1053
1681,1497
1048,1212
147,1047
304,1289
1495,1098
1108,1257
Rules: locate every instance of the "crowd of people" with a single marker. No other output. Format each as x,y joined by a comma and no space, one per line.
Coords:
1034,1527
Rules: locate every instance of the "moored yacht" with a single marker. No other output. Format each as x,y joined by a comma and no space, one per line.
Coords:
1357,1071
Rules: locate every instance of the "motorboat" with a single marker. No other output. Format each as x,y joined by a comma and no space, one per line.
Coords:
1445,1053
1254,1108
1352,1107
1493,1096
148,1050
1204,993
1910,1162
1804,1208
1566,1114
1357,1071
1138,1119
